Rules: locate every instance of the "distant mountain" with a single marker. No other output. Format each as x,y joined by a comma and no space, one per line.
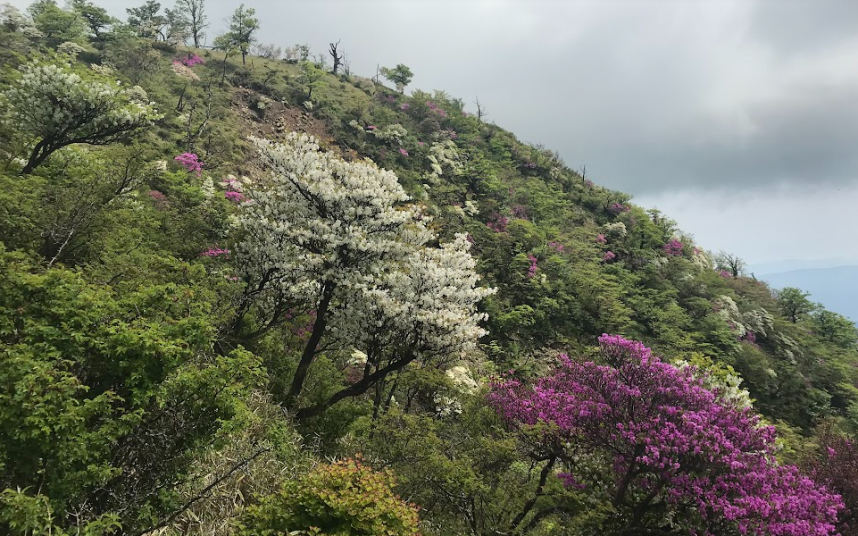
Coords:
835,287
789,265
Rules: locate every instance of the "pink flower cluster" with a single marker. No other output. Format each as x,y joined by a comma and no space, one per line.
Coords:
191,162
609,256
498,223
600,238
531,271
673,248
404,106
725,274
214,252
306,329
618,208
235,197
403,152
434,107
670,443
233,190
520,212
190,60
557,246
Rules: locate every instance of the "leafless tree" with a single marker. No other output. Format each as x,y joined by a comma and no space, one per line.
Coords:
338,58
347,65
731,263
481,110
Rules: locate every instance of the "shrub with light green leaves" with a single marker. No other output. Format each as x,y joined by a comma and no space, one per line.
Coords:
346,498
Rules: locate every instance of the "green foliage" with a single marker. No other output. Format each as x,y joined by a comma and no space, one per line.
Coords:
345,498
89,375
794,304
96,17
400,75
145,19
135,379
242,27
56,24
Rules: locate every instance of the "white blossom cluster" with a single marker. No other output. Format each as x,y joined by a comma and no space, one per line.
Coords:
70,48
50,101
729,311
444,159
727,386
392,134
449,403
615,231
462,379
319,222
13,20
701,260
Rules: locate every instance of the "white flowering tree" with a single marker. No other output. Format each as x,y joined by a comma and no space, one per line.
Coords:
53,103
341,238
424,308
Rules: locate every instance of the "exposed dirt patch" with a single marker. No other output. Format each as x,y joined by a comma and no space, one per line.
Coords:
277,119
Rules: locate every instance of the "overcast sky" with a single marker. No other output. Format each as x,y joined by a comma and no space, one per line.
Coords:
738,118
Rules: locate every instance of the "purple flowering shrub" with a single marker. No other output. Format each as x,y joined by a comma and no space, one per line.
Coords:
235,197
673,248
531,271
190,60
498,223
835,464
190,162
618,208
214,252
519,211
654,441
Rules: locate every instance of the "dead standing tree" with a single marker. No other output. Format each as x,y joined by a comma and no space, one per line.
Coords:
338,58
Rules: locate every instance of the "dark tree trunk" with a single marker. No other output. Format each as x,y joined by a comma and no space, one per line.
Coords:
310,350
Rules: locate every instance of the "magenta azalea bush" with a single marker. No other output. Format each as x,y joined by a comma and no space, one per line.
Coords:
657,444
190,60
191,162
673,248
618,208
235,197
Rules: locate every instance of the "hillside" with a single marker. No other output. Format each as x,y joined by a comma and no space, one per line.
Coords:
395,318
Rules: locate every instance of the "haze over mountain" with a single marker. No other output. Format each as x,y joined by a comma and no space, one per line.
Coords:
835,287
